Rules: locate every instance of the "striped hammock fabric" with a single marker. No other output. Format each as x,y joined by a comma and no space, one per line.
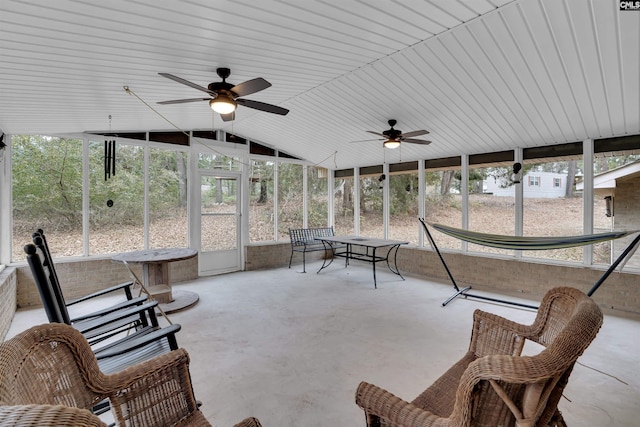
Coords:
529,243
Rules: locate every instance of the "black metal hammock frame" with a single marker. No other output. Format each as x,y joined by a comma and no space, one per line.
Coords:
526,243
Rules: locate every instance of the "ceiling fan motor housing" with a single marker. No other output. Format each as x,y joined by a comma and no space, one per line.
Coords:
220,86
216,87
392,133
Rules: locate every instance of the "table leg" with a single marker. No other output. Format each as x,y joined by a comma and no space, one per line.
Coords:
395,268
331,249
157,281
375,283
346,258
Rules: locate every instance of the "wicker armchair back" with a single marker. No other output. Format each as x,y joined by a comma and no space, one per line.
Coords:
50,367
493,384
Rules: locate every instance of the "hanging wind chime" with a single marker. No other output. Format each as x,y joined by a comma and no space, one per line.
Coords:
109,159
109,156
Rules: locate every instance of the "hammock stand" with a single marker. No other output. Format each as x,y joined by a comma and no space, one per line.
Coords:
524,243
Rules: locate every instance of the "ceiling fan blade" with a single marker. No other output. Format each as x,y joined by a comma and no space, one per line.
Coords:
367,140
185,82
377,133
182,101
416,141
250,86
415,133
228,117
262,106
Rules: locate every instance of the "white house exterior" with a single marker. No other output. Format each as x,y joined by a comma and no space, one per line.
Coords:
534,184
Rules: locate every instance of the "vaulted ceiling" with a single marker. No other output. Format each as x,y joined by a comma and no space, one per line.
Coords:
480,75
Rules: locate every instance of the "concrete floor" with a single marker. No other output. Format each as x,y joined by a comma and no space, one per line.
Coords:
290,348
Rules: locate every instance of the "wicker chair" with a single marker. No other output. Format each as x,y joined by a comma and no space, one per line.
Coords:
48,374
493,385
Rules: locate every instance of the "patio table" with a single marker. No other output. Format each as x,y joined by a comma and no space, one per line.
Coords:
371,250
156,278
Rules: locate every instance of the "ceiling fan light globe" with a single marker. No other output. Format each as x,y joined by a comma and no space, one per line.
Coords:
391,144
223,104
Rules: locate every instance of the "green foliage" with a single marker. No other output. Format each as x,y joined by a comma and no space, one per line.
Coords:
317,187
289,182
261,181
403,194
603,164
290,196
47,181
125,188
476,176
370,194
218,161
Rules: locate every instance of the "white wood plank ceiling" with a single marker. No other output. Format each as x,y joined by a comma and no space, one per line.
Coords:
480,75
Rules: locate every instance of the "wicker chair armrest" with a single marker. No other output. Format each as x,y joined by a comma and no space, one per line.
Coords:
249,422
537,374
493,334
380,403
47,415
514,369
158,389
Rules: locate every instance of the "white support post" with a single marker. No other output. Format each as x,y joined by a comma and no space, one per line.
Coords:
587,198
356,201
305,197
464,192
519,200
6,205
421,201
331,184
86,205
275,200
385,201
145,220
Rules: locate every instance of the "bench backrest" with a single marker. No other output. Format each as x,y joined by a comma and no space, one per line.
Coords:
303,236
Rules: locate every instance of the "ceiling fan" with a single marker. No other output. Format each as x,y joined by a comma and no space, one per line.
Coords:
393,137
225,97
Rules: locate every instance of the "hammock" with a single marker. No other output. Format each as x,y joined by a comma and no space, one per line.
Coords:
528,243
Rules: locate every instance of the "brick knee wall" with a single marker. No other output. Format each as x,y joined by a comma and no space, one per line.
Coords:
259,256
82,277
527,278
530,279
8,283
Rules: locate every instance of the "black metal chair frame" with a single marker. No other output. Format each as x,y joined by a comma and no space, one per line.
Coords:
120,335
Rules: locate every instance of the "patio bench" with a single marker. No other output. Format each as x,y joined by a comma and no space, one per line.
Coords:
304,240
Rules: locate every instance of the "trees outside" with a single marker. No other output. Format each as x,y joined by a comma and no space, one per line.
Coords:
47,183
343,206
290,198
47,191
371,222
403,207
261,206
47,177
317,196
168,220
571,179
